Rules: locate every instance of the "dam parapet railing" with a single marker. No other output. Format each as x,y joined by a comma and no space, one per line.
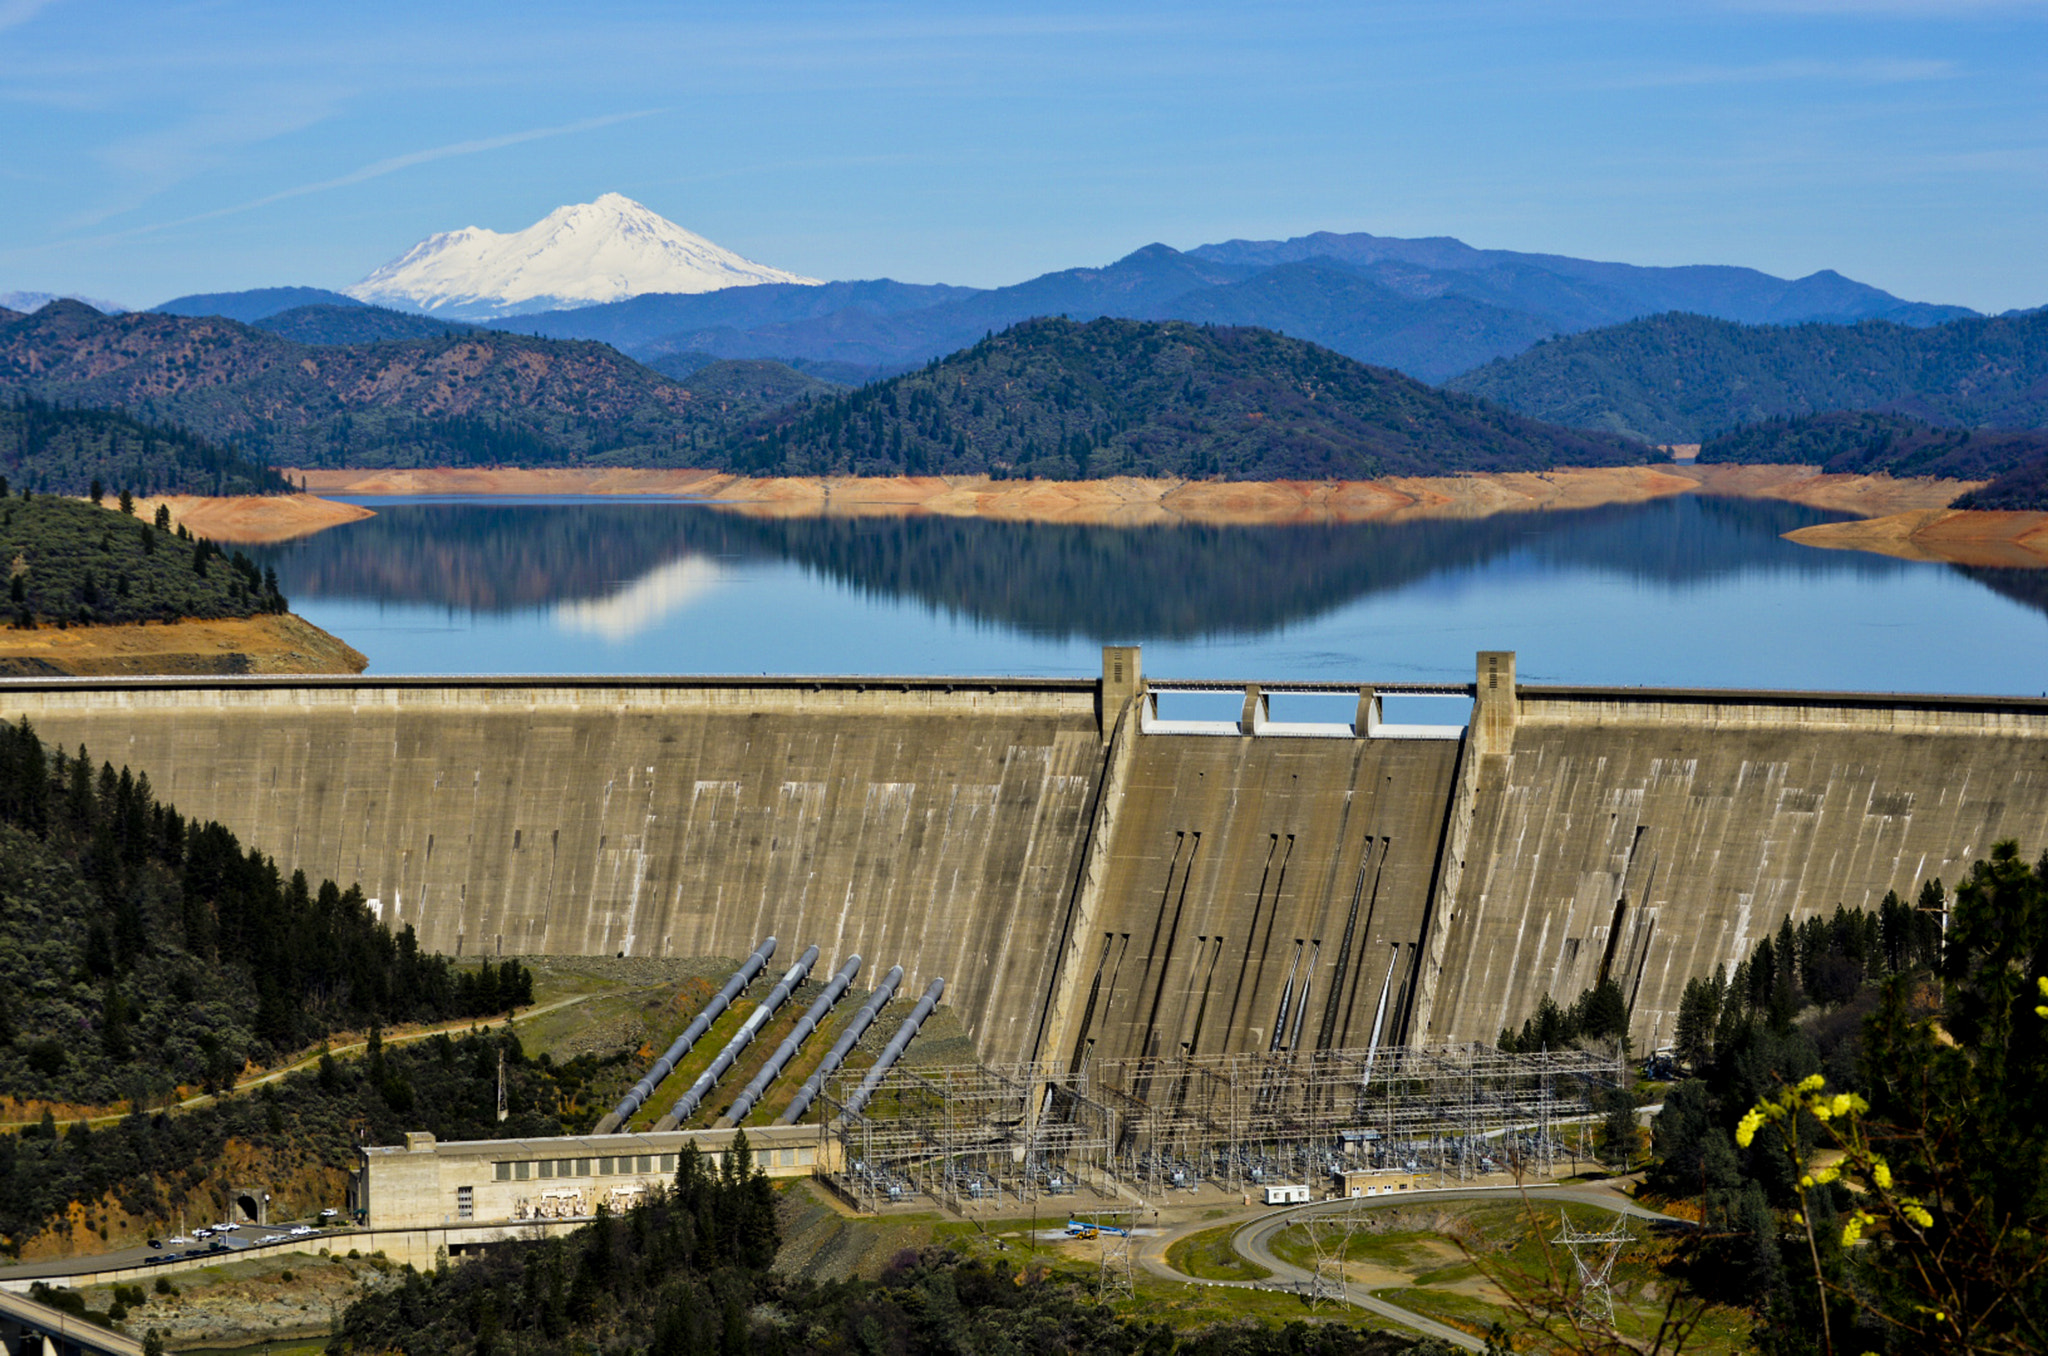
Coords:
825,694
1763,709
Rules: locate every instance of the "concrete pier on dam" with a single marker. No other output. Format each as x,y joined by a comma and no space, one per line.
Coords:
1094,879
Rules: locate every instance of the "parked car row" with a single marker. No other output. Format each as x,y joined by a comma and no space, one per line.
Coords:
211,1239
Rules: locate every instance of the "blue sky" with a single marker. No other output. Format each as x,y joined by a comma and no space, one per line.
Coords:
152,149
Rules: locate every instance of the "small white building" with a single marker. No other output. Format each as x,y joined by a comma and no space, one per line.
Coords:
1287,1193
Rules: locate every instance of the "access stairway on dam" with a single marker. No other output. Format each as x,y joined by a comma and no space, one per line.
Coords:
703,1097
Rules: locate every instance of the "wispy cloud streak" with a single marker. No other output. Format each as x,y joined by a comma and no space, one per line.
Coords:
1887,71
391,165
15,13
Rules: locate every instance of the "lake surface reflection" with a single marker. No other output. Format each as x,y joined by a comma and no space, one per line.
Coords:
1682,591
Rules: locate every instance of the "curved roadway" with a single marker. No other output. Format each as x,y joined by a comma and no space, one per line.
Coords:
1253,1242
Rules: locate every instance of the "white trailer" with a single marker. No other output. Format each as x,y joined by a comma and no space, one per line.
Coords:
1287,1193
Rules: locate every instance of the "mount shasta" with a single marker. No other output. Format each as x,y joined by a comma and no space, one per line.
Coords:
577,255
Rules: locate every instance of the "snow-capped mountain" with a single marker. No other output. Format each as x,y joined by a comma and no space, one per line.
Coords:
574,256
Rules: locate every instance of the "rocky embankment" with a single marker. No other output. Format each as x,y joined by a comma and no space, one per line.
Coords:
277,1297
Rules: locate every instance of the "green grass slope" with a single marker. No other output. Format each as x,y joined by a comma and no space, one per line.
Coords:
1057,400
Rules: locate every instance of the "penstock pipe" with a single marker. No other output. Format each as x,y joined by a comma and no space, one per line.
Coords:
688,1103
894,1049
786,1051
842,1047
692,1033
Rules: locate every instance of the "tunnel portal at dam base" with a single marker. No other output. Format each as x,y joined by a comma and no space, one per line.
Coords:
1099,878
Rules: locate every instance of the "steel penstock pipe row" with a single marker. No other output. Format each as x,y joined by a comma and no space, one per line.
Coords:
692,1033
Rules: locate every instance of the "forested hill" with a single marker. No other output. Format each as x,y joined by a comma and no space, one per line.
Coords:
1685,378
448,399
63,451
144,955
1856,442
1057,400
74,563
140,950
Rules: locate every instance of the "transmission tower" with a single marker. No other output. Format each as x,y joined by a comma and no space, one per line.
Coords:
1594,1253
1331,1240
1115,1278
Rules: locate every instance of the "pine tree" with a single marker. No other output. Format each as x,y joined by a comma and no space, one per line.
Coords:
1699,1010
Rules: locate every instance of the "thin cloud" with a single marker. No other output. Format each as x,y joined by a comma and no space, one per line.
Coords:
1900,71
15,13
392,165
1874,9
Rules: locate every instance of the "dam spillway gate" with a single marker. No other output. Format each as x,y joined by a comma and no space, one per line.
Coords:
1096,886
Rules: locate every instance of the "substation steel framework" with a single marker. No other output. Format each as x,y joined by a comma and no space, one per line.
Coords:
963,1134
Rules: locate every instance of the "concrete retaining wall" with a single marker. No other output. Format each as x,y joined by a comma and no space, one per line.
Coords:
970,828
931,824
1658,834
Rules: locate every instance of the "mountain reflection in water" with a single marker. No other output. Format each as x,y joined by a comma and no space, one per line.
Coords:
611,568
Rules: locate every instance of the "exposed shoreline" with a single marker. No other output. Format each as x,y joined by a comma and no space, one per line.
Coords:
2000,540
252,519
1134,502
284,644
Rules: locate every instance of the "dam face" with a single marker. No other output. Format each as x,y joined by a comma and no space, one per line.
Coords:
1095,883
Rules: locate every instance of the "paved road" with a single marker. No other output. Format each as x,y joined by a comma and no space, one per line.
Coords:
240,1242
1253,1242
68,1332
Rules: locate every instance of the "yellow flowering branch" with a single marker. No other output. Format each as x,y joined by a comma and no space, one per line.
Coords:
1879,1200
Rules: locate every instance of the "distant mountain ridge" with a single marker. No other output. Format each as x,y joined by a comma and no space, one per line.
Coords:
1432,308
1582,293
1370,301
606,250
258,303
1686,378
354,324
24,302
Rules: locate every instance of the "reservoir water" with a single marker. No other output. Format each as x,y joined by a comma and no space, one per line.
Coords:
1687,591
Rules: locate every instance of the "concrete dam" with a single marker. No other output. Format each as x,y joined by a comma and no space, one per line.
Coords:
1096,881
